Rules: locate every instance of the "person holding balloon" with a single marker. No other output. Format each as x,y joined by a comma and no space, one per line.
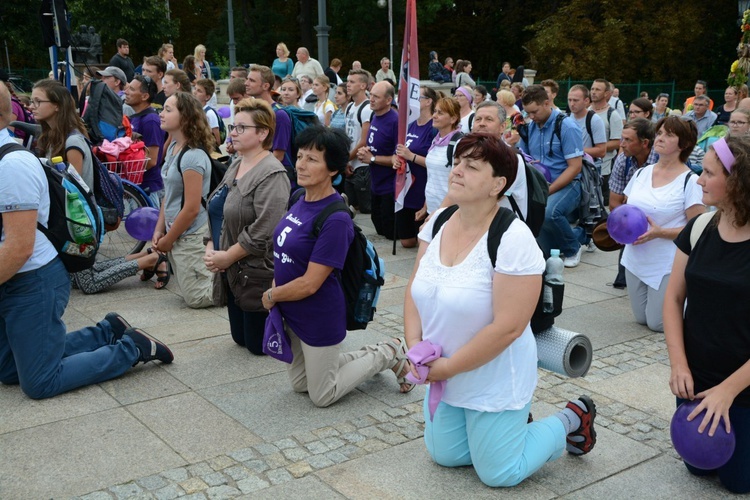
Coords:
243,212
706,314
668,194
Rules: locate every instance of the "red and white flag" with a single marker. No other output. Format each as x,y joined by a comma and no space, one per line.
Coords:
408,97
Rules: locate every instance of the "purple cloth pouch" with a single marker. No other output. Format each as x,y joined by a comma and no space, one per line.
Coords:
421,354
276,342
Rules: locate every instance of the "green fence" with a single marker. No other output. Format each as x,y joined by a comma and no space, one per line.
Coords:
630,91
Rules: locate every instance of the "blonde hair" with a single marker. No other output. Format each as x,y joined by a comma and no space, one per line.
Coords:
283,48
196,53
506,98
262,114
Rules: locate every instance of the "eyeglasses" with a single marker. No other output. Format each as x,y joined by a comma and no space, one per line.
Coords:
240,129
37,102
735,123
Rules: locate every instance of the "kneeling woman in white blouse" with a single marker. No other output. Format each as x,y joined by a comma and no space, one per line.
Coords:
480,317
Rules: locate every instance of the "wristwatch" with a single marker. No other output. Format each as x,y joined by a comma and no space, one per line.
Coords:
372,159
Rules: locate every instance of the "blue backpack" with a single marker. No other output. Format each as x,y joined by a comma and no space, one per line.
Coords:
362,267
301,119
74,256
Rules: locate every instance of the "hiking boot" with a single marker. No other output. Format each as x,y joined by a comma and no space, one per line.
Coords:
150,348
583,439
118,325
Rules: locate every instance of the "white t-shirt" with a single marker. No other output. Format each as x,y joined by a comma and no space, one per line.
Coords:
212,117
443,295
354,127
519,190
438,170
466,123
322,109
666,205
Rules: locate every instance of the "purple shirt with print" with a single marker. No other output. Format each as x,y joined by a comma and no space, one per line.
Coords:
282,137
320,319
418,140
382,142
147,124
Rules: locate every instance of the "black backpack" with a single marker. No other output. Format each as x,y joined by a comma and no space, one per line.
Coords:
75,257
222,127
540,320
103,114
537,193
592,209
361,258
218,170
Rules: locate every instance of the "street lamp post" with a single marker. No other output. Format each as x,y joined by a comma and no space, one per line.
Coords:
381,4
322,28
232,46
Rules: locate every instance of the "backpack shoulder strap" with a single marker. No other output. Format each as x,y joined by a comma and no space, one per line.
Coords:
589,117
442,218
451,148
500,223
699,226
359,111
557,130
471,120
336,206
687,179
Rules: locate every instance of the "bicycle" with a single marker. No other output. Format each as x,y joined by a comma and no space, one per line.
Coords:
117,243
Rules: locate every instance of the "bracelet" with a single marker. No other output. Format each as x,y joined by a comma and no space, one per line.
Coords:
414,160
270,297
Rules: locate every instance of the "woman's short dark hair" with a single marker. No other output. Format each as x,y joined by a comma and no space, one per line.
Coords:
485,147
685,130
333,142
645,105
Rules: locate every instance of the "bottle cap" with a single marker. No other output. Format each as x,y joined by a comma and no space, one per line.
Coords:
554,252
56,159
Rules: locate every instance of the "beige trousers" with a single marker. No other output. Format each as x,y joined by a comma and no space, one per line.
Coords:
195,280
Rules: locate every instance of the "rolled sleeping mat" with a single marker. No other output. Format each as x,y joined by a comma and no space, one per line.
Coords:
564,352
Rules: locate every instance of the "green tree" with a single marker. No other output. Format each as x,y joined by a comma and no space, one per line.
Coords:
22,32
143,24
635,40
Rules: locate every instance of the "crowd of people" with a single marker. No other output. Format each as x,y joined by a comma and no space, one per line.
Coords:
245,246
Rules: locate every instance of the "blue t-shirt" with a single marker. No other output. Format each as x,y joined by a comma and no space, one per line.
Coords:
147,124
320,319
282,69
538,145
418,140
382,142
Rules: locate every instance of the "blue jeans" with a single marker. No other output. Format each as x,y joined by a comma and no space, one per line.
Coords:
734,474
35,351
503,448
556,231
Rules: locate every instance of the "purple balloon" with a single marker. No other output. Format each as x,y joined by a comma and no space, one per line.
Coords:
626,223
700,450
225,112
141,223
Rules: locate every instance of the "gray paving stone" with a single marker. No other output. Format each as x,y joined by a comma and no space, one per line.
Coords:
178,474
126,490
279,476
336,457
286,443
169,492
257,465
215,479
295,454
309,488
265,448
319,461
221,492
316,447
243,455
333,442
97,495
199,469
152,482
251,484
238,472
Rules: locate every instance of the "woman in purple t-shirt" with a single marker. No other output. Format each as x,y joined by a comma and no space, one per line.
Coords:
305,288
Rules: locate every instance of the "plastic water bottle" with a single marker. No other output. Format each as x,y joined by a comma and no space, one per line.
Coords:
60,165
78,222
554,276
363,309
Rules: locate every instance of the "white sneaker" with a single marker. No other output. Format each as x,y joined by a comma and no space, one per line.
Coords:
591,248
574,260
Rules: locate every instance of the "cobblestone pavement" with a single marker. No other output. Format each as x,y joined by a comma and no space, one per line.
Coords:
248,470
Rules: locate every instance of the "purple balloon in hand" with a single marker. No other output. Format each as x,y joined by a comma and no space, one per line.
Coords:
699,449
627,223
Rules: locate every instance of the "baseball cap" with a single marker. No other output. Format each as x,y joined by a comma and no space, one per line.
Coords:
113,71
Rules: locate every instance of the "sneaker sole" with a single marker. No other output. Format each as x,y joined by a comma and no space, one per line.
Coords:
576,445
